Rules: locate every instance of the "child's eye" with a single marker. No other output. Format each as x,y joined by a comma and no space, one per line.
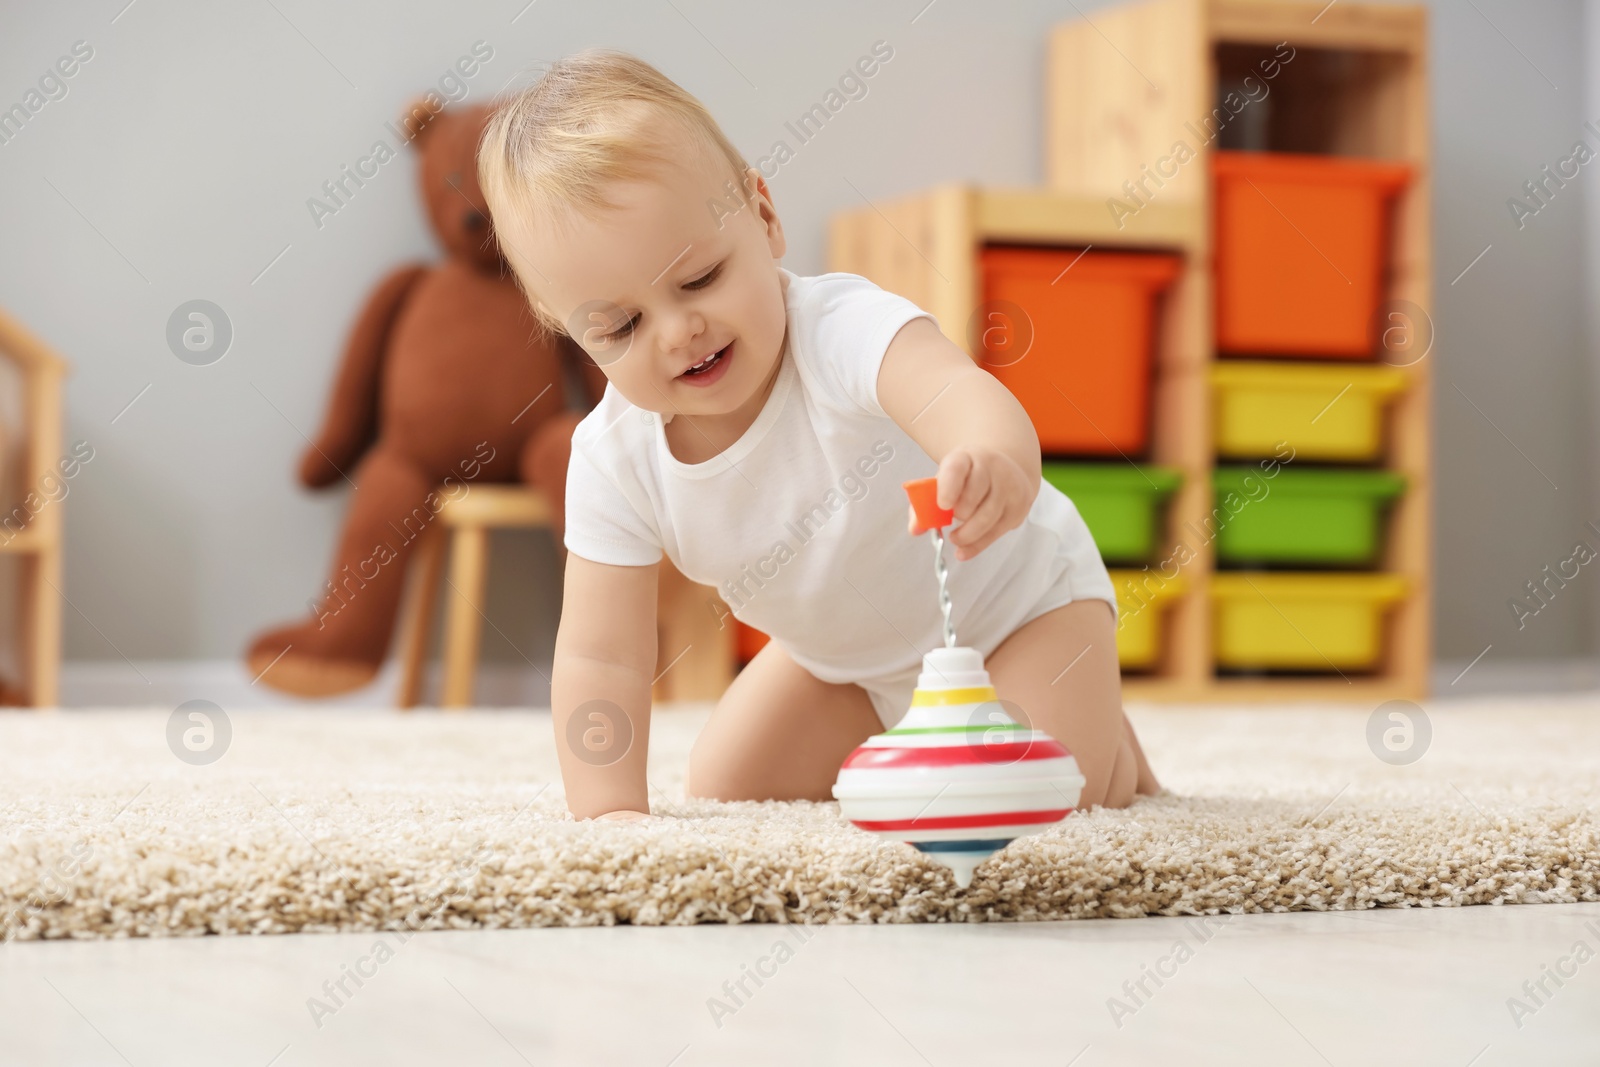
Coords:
706,279
699,283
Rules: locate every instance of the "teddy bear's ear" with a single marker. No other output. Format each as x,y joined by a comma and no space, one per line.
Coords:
418,117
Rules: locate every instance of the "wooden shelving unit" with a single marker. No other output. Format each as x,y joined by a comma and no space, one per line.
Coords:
1123,87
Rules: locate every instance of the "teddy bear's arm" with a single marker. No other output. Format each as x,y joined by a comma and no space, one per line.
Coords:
351,423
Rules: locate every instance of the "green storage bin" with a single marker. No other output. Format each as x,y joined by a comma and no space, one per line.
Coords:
1302,516
1120,502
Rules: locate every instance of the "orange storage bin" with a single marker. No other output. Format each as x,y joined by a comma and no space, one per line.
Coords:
1071,334
1302,248
748,641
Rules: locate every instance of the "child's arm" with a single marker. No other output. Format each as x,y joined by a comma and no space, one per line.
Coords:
605,653
982,438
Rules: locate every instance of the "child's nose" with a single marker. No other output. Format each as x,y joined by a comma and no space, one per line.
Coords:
680,330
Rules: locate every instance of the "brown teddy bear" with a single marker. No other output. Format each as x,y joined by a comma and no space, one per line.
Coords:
445,383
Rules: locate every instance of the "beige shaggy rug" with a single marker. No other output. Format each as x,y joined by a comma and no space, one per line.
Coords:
361,820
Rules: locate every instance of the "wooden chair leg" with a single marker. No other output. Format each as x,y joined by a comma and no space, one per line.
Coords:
712,648
40,616
27,632
668,581
690,635
469,558
421,601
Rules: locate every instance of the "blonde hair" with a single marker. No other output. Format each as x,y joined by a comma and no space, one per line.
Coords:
596,117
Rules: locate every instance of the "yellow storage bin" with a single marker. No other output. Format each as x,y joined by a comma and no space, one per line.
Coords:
1323,622
1322,412
1142,601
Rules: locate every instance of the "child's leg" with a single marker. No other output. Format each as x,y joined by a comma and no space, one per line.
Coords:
779,733
1079,705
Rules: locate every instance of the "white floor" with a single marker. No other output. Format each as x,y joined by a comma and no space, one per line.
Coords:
1418,986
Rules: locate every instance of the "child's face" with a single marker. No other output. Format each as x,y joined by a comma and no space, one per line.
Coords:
679,273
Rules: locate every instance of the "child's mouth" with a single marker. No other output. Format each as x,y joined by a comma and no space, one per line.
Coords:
711,369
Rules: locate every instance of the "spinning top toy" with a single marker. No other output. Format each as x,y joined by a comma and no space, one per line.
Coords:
957,778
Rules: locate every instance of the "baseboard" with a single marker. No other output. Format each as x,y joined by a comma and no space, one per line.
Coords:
168,683
1489,675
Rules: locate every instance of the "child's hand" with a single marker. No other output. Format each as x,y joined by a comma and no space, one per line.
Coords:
987,491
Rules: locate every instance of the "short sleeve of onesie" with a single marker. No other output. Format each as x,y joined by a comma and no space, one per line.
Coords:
845,326
602,523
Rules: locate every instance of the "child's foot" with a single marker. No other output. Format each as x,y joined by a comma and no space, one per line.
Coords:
288,659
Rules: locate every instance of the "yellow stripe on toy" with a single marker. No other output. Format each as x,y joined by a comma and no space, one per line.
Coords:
973,695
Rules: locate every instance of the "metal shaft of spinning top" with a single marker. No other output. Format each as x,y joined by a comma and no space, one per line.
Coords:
942,572
923,493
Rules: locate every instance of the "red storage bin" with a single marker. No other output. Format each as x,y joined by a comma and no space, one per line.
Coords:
1077,346
1302,248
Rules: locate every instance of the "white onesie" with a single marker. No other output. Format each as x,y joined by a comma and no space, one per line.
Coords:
800,524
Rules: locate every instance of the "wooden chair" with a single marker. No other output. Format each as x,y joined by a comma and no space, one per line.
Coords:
33,536
696,656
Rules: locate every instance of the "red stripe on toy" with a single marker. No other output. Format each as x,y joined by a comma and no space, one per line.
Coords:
955,755
962,822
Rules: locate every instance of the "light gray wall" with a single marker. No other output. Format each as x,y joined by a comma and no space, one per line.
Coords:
179,164
1513,400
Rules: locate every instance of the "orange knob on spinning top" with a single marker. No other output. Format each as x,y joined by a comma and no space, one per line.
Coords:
924,502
